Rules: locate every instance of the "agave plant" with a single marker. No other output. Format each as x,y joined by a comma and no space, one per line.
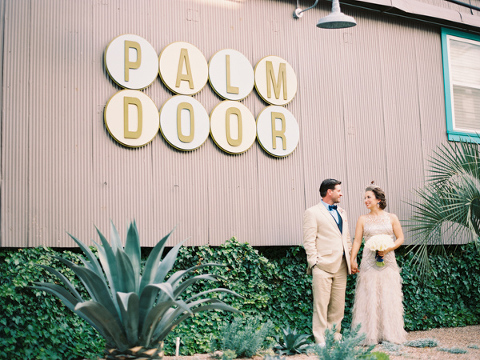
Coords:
292,343
134,311
449,203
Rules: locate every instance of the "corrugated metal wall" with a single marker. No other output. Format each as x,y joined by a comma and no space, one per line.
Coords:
369,105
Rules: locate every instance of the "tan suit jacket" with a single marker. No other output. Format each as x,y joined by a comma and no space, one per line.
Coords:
323,241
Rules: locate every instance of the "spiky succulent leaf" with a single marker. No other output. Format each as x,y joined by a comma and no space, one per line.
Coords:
129,308
218,305
292,342
64,280
175,278
95,266
167,263
132,249
115,238
151,266
155,315
109,262
94,285
217,290
105,323
67,298
185,284
126,275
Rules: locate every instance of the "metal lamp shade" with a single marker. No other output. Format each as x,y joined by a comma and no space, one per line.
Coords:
336,19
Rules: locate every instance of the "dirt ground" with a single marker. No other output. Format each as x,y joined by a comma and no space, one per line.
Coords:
466,338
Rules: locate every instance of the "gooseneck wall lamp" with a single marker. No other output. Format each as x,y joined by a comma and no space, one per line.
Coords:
335,20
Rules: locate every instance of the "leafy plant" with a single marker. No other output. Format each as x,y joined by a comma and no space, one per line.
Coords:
473,346
274,357
392,348
224,355
272,281
244,339
449,203
35,326
348,349
453,350
422,343
380,355
132,311
291,343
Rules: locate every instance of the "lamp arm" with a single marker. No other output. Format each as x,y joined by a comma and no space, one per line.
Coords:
298,12
311,7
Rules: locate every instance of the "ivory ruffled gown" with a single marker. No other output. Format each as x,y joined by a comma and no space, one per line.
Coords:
378,295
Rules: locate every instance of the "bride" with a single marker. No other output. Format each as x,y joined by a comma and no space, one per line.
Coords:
378,294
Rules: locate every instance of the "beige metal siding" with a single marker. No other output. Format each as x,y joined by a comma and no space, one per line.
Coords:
370,106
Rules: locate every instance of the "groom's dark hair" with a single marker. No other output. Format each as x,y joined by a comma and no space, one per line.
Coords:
328,184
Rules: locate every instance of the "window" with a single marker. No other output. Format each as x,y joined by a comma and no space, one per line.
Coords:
461,71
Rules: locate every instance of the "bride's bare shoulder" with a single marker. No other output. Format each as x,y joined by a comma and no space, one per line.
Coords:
393,217
361,218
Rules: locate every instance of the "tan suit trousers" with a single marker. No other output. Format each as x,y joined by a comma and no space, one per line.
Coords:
328,300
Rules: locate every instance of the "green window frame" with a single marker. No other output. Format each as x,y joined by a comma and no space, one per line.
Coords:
461,74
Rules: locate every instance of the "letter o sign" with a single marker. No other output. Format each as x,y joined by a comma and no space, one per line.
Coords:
233,127
184,122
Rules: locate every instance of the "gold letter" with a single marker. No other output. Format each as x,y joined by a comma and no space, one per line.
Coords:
282,79
184,77
278,133
128,64
230,89
127,133
181,137
228,114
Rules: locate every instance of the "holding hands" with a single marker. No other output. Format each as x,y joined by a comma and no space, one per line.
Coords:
354,266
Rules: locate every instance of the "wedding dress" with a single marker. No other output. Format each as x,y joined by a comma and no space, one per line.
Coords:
378,295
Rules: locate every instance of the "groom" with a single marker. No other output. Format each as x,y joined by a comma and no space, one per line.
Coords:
327,243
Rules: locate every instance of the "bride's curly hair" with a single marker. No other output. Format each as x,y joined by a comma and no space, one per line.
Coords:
379,195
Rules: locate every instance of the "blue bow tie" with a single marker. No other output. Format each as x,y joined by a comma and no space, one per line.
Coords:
332,207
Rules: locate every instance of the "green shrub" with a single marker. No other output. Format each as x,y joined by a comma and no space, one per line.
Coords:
380,355
35,325
245,337
272,281
348,349
392,348
422,343
274,357
291,342
453,350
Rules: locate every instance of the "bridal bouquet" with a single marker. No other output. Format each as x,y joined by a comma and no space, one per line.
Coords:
379,243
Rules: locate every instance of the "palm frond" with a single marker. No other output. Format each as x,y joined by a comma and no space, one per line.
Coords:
449,204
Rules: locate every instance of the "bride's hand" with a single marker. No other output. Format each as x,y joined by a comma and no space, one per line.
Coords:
354,266
383,253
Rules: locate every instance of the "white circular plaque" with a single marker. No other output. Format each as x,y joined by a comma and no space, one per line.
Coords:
231,74
183,68
277,131
184,122
233,127
131,117
275,80
131,61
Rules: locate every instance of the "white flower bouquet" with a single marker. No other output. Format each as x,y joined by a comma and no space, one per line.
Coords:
379,243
